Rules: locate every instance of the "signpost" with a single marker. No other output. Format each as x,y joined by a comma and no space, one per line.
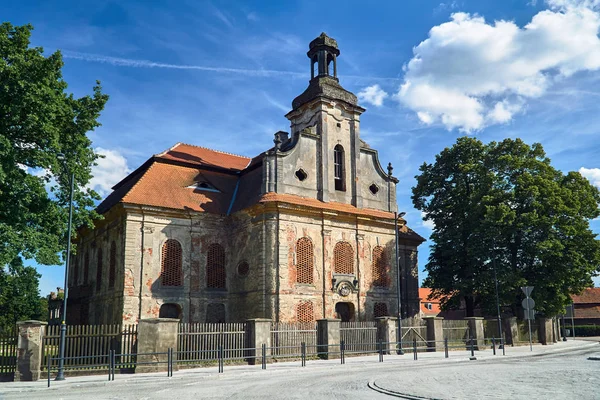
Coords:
528,305
571,314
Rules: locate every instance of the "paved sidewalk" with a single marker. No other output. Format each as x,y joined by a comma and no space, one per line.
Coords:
357,369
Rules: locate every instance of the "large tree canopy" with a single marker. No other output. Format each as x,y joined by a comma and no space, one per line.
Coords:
504,204
39,120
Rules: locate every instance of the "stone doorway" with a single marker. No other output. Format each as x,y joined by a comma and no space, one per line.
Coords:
345,311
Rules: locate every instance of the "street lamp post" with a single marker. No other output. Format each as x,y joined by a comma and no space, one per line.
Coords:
63,326
399,330
498,302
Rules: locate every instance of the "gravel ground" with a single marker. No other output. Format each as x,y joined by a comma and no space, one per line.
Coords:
559,371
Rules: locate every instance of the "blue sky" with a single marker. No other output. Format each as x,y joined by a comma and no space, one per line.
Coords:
223,74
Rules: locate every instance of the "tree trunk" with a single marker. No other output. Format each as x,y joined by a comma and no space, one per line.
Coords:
470,305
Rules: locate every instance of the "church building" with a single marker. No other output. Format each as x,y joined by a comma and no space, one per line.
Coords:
303,231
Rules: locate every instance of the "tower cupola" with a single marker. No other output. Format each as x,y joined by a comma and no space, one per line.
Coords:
324,83
323,52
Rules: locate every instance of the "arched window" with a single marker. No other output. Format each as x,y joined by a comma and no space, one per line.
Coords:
99,270
380,310
379,268
171,264
86,268
304,261
305,312
343,258
339,171
170,310
112,269
216,277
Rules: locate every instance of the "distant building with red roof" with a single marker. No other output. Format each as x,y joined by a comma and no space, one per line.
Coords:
587,307
302,231
428,307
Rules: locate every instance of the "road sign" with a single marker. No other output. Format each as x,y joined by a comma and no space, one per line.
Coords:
529,314
528,303
527,290
569,311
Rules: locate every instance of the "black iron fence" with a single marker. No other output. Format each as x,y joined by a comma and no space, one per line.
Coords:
8,353
172,359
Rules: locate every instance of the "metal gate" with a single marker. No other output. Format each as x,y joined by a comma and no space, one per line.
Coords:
8,354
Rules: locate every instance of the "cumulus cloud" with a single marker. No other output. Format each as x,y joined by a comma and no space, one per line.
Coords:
427,223
470,73
373,95
108,171
592,175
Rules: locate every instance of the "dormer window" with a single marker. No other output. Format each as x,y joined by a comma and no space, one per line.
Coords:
338,168
205,186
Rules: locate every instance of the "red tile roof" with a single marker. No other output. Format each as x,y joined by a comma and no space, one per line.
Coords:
589,295
167,185
165,179
205,157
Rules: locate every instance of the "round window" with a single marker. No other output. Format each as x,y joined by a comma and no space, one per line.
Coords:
374,188
243,268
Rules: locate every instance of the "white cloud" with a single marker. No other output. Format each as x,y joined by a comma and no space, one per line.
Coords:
592,175
470,73
564,4
427,223
373,94
109,171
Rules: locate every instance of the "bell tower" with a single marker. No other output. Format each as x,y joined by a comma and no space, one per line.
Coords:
332,114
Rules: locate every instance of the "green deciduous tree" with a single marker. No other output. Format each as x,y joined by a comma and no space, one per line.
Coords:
504,204
19,295
38,120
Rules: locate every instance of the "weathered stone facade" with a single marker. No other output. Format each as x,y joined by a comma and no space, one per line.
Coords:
301,232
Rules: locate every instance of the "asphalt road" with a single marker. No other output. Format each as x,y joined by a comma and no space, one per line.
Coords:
567,375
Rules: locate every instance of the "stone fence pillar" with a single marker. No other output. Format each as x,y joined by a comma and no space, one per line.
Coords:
510,330
545,331
258,333
29,350
156,335
387,331
435,333
476,331
328,338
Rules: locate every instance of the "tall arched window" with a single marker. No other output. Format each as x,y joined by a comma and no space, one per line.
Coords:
339,170
304,261
99,270
216,277
305,312
171,270
379,268
343,258
112,268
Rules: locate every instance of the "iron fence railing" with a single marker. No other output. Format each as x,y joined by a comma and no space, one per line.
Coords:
111,361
